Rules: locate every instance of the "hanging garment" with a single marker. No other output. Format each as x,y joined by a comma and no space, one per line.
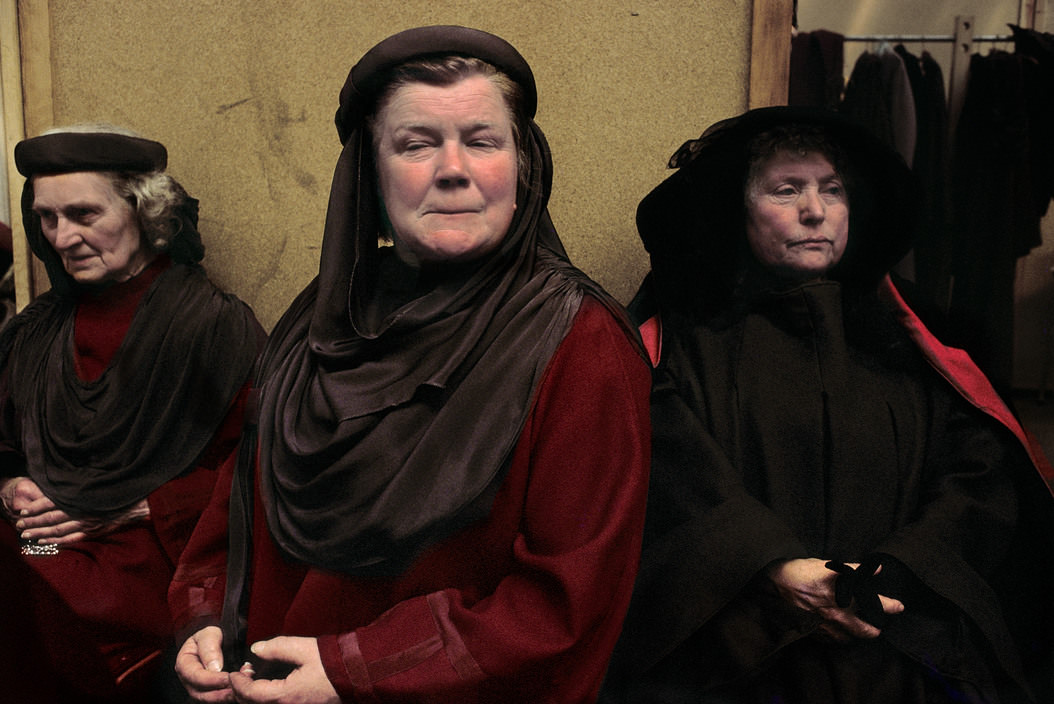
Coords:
879,97
1037,48
995,218
932,250
817,64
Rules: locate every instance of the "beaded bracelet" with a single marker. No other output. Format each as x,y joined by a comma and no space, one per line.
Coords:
32,547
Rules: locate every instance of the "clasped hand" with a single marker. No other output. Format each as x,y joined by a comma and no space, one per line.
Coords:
199,666
37,518
809,585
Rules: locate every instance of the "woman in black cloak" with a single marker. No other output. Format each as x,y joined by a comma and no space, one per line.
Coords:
841,508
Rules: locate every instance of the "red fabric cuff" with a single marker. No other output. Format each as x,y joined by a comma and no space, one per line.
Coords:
345,668
411,644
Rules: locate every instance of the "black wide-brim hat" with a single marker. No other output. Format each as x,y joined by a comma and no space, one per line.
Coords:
693,223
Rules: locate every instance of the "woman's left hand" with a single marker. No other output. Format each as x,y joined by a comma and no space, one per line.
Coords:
306,684
40,520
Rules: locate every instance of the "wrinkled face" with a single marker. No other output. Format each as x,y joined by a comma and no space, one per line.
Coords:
446,159
797,215
92,229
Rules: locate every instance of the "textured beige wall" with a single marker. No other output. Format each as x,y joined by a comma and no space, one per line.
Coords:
243,94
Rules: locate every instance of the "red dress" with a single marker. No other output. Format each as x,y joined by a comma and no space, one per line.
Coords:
111,590
524,605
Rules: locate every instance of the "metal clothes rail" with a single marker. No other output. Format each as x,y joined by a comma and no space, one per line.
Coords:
963,39
924,38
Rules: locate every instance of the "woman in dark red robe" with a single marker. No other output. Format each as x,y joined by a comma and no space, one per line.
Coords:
443,497
841,508
120,395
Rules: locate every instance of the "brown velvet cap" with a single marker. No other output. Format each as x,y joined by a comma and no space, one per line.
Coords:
67,152
72,152
371,73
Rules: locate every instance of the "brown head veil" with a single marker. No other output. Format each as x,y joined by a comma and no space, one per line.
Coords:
380,436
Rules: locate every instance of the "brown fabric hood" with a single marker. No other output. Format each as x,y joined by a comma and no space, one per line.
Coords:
380,437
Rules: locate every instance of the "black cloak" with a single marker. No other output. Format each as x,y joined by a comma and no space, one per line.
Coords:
800,420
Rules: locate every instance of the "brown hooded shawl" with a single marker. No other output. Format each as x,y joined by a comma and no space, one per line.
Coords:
381,435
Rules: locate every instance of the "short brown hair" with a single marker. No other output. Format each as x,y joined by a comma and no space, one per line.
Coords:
447,70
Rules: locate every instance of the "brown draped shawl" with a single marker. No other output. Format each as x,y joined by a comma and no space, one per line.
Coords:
381,435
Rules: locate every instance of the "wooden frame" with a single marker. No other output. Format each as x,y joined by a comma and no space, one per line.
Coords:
770,45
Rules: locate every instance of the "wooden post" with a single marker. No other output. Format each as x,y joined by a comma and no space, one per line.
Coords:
14,130
1026,13
1032,14
770,44
962,49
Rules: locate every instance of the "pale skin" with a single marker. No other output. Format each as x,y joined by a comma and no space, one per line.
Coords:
446,159
807,584
92,228
199,665
797,215
37,518
798,227
95,233
447,165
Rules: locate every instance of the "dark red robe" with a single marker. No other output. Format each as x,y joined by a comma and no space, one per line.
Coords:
524,605
98,607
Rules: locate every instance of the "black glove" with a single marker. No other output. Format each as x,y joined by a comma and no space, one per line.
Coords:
860,585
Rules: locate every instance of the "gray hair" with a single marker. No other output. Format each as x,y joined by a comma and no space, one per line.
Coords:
155,197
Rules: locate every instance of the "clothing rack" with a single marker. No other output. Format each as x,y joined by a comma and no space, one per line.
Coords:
923,38
1030,15
963,39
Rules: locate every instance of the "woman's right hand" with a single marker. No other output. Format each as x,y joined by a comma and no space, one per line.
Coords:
199,666
809,585
18,494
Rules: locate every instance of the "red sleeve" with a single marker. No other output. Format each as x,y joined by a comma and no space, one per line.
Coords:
547,631
190,518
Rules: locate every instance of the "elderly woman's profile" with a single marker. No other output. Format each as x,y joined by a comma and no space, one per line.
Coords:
429,506
842,509
120,395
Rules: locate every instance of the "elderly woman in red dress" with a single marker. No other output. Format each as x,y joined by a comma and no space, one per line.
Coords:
120,395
